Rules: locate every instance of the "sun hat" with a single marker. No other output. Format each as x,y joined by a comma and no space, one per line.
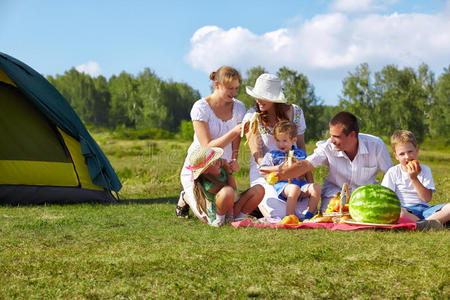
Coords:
201,158
267,87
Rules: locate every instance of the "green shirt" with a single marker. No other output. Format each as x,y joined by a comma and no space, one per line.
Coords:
207,185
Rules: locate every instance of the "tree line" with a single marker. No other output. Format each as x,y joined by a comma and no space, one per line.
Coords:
384,101
139,102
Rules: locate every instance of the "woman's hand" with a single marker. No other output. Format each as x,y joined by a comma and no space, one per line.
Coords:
237,129
245,127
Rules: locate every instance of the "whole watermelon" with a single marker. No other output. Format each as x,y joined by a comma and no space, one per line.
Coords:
374,203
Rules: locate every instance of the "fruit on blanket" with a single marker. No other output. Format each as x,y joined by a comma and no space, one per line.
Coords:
414,164
290,220
334,204
319,219
342,219
271,178
374,203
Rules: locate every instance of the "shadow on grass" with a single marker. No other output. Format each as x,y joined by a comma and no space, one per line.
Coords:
165,200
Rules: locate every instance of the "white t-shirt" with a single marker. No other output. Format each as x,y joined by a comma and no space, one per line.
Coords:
201,111
372,156
398,180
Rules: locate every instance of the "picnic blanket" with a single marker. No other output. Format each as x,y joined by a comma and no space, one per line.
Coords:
402,223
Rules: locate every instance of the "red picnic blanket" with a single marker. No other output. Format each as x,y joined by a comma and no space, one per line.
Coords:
402,223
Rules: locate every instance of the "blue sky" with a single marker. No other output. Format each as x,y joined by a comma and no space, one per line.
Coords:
185,40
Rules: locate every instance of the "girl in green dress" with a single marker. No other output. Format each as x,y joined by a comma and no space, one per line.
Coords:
215,189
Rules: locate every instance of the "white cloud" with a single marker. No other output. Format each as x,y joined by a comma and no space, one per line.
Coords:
328,44
360,6
351,6
91,68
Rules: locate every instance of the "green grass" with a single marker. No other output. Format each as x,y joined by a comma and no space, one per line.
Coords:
139,249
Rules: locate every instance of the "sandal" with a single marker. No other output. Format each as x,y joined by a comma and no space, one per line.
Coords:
182,211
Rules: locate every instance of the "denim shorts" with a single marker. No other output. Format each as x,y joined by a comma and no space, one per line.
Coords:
279,187
423,211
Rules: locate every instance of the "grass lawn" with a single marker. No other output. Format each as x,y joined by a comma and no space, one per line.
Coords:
139,249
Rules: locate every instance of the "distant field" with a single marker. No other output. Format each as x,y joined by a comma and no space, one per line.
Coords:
139,249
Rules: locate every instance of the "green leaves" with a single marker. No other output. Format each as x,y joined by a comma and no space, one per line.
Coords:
142,101
300,91
394,98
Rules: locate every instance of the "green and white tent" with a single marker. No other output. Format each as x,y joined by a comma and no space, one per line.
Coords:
46,153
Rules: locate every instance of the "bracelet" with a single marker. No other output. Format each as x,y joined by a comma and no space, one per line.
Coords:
234,159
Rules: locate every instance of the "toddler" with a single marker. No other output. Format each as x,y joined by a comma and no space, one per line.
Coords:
285,135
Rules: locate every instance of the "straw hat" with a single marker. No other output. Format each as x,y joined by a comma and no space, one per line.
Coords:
201,158
267,87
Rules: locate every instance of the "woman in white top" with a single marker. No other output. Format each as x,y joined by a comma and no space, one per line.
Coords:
273,107
217,123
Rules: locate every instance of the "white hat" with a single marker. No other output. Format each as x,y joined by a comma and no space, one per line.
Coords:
267,87
201,158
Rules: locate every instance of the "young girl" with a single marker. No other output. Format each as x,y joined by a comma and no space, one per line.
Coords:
215,187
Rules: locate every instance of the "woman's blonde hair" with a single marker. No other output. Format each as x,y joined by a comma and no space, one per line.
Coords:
225,74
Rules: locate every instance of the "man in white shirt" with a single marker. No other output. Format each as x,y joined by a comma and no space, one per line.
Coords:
352,157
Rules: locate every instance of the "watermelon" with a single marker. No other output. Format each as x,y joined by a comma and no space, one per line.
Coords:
374,203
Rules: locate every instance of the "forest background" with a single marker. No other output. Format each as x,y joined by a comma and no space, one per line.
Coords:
144,106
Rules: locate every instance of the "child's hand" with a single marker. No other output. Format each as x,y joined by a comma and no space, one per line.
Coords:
414,169
234,164
226,166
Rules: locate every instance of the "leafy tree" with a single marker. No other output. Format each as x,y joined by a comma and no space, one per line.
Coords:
327,112
298,90
147,111
102,99
358,97
79,89
249,80
439,112
401,101
397,99
178,99
123,90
